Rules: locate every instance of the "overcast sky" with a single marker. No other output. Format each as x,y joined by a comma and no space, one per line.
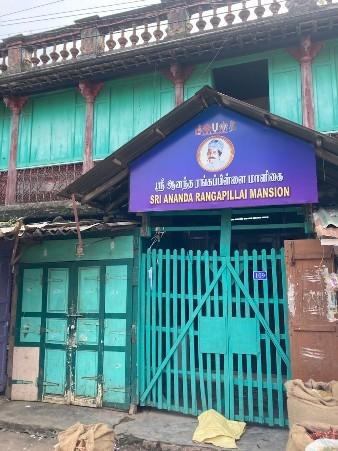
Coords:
31,16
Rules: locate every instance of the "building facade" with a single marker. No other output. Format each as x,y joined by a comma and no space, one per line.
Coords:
86,323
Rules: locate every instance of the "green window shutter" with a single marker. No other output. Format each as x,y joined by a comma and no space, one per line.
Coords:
129,106
325,84
5,136
48,132
285,87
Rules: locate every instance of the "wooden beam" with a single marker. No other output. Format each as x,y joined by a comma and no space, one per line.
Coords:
105,186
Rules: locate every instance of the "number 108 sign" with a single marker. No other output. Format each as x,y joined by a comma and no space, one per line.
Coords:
260,275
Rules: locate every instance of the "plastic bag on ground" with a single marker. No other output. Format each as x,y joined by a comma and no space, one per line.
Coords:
215,429
323,444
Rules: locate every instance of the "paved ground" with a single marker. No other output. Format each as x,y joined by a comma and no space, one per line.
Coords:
145,430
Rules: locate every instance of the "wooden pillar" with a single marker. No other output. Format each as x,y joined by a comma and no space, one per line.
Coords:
178,75
15,104
89,92
305,54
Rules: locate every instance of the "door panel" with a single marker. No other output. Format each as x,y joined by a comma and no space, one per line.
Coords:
115,332
30,329
114,370
56,331
116,289
32,290
55,372
87,331
57,297
86,373
89,289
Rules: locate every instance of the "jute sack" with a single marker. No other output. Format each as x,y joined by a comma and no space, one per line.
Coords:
312,402
299,436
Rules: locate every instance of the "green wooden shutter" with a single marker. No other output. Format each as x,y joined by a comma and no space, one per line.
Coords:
325,84
5,127
285,87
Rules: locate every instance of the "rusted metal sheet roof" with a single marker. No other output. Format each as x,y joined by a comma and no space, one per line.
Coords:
326,222
106,185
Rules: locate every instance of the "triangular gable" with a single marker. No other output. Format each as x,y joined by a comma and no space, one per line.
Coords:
223,159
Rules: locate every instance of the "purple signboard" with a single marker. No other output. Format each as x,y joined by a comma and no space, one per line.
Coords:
222,159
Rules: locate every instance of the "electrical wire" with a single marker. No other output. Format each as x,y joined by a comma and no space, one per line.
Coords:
57,14
32,7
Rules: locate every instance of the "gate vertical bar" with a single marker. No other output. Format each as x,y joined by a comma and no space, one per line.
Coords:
224,251
175,330
248,357
141,331
217,356
285,310
239,356
184,341
277,333
259,357
160,326
200,355
167,324
148,320
268,369
192,363
153,320
208,313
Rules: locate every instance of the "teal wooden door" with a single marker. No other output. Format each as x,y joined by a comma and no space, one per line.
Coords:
57,327
213,336
86,334
80,316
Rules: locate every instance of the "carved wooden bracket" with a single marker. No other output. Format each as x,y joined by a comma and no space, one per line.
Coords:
15,104
90,90
178,75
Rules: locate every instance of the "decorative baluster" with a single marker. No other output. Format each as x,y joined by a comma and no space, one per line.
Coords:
35,59
122,40
3,65
111,43
64,52
275,7
158,33
54,54
134,38
201,23
146,36
74,51
244,13
44,57
259,10
229,17
215,20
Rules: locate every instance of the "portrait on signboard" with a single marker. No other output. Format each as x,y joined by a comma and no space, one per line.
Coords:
215,153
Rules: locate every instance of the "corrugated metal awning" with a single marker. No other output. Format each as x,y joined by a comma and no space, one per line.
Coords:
326,223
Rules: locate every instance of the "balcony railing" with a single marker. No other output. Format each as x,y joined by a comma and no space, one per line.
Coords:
147,26
43,184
